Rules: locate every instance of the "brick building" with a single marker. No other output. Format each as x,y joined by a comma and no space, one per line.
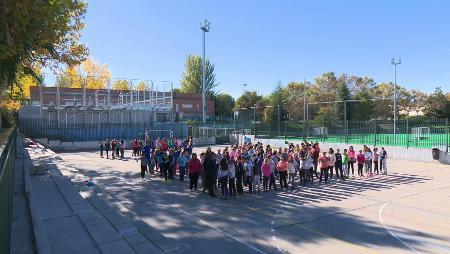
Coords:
165,105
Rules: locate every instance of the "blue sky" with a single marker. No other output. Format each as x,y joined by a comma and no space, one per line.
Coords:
261,42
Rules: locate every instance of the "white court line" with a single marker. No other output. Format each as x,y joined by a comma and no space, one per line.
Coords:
223,232
390,232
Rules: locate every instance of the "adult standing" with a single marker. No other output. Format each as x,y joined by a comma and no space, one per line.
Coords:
101,149
107,148
315,158
239,175
210,171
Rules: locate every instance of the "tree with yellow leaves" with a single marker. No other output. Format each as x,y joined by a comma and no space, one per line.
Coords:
90,72
141,86
121,84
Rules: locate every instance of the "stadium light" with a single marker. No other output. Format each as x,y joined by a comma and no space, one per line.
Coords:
395,62
205,26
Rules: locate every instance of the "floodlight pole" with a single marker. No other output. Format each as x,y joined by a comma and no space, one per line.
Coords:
205,28
395,62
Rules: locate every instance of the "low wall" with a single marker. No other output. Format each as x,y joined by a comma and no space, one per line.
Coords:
394,152
204,141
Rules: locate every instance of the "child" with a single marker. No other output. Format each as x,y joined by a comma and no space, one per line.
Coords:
101,149
152,163
324,162
223,177
360,159
338,164
332,161
291,172
265,169
375,160
273,170
282,170
248,169
303,166
182,162
383,160
195,168
144,163
368,161
231,176
345,163
256,176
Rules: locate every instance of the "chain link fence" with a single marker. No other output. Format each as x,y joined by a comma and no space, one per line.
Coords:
420,133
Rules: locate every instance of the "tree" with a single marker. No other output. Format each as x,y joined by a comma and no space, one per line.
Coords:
121,84
224,104
141,86
247,100
294,95
90,72
191,81
275,99
437,104
39,32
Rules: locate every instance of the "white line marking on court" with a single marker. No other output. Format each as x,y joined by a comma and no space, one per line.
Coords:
223,232
380,217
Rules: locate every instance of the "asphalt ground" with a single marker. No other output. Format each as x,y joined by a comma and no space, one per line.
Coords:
406,211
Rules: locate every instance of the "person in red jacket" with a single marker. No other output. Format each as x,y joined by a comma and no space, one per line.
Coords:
360,159
194,167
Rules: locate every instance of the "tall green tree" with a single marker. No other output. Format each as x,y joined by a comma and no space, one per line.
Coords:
438,104
248,99
191,80
277,97
224,105
45,33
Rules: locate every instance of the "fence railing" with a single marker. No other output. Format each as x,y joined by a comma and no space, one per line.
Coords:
420,133
7,164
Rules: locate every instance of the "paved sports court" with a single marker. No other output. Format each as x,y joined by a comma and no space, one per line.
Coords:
407,211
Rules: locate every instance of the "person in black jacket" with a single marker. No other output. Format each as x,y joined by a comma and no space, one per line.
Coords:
338,164
210,170
239,175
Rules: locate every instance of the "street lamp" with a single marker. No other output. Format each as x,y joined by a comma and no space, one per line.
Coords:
395,62
205,26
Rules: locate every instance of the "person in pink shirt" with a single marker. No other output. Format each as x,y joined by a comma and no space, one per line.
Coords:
351,160
324,163
361,160
195,168
265,169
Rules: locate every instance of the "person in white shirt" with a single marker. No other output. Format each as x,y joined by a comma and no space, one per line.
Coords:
231,176
332,158
291,172
368,161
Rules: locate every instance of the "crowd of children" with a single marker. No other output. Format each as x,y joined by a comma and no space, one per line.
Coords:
247,166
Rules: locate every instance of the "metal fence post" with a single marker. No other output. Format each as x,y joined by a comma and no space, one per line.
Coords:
407,133
375,134
446,136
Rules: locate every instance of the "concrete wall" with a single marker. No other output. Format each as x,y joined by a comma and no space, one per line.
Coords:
204,141
394,152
